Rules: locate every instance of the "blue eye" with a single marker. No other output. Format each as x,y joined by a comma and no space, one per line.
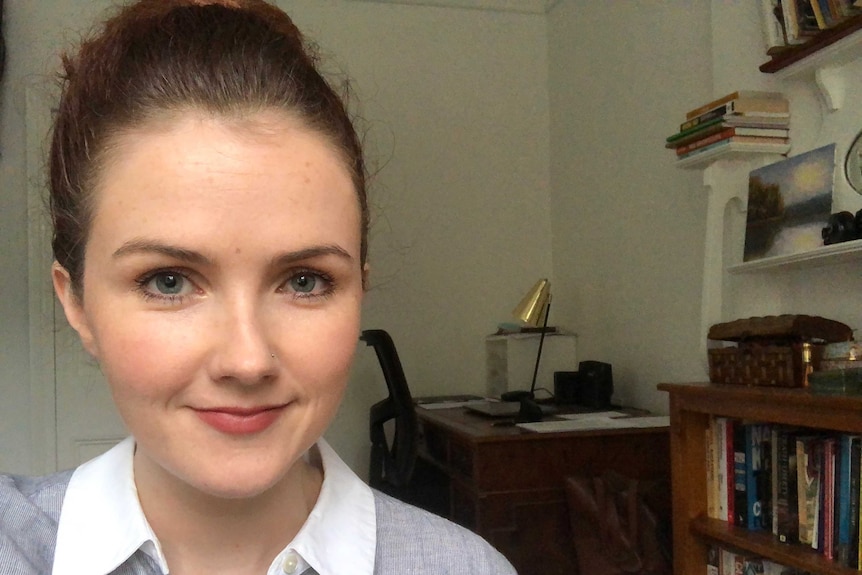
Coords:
168,283
308,284
303,283
168,286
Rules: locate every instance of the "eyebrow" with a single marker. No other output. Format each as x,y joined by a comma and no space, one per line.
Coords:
313,252
141,246
148,247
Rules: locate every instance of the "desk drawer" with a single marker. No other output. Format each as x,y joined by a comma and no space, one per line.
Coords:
455,456
461,459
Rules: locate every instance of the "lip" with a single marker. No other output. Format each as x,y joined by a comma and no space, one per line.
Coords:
240,420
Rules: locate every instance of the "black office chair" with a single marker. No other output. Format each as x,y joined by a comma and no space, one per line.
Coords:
395,467
392,464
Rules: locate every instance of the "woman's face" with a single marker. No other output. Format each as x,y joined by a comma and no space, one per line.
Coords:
221,294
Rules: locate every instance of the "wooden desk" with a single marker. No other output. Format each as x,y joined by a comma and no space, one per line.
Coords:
507,484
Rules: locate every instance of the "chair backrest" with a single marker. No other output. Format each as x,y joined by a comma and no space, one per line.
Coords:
391,464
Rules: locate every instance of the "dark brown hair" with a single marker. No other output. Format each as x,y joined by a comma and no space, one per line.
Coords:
228,57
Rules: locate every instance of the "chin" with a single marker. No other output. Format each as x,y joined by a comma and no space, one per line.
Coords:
240,485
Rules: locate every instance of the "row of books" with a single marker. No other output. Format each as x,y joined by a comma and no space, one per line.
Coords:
792,22
722,561
805,485
744,121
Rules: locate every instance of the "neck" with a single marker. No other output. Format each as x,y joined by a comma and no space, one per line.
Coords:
200,532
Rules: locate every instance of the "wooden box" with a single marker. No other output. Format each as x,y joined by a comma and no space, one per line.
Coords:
772,350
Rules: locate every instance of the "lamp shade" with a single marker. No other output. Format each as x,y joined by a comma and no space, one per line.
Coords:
534,304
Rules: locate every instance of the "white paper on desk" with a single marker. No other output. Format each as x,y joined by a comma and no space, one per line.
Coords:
602,414
651,421
589,423
450,404
574,424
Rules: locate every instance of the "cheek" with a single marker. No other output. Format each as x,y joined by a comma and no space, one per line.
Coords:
145,359
324,359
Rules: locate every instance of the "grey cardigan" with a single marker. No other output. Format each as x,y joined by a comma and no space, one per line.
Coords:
409,541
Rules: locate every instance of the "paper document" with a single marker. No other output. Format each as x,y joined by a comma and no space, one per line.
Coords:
603,414
592,423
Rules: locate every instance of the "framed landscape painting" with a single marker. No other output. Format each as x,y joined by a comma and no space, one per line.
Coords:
789,204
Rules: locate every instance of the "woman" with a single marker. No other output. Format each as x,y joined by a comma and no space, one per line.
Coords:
210,236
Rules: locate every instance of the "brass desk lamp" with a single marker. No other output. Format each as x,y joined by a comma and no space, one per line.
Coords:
532,311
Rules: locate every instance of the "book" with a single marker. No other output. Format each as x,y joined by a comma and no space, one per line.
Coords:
719,125
711,464
821,16
807,18
843,498
855,508
747,107
729,474
773,30
713,561
751,119
736,95
826,526
773,482
808,485
758,476
721,425
791,21
786,497
740,471
737,133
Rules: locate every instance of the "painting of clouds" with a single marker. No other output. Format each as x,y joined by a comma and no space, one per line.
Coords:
789,203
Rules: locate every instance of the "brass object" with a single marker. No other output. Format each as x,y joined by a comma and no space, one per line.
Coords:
533,307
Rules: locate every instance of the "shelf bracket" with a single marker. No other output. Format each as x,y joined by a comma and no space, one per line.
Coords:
723,181
831,83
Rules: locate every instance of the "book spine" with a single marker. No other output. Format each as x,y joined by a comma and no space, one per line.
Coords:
721,471
773,482
855,486
740,495
699,111
711,139
711,463
808,489
842,547
713,562
703,118
729,472
787,500
826,537
757,476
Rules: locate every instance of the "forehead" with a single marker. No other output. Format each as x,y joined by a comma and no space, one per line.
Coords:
263,172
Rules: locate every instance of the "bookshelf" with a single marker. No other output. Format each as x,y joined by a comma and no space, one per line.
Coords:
691,407
824,255
839,44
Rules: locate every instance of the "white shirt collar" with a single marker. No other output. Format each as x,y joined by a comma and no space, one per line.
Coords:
102,523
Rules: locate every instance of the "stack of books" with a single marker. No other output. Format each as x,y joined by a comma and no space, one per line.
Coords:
790,22
742,121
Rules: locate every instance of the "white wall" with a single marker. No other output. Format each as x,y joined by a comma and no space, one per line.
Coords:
628,226
831,291
455,107
473,117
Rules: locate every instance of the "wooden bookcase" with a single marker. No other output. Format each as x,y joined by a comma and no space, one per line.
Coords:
691,407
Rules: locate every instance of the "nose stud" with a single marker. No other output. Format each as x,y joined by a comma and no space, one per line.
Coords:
273,355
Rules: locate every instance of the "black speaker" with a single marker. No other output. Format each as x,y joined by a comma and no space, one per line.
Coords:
566,387
595,384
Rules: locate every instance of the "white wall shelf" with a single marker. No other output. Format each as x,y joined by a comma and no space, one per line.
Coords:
731,151
826,255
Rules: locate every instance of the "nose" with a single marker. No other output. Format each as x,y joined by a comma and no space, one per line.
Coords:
243,352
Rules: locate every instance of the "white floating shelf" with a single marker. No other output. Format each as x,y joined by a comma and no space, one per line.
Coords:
826,255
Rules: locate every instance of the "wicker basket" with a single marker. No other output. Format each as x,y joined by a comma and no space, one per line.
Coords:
756,364
772,351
